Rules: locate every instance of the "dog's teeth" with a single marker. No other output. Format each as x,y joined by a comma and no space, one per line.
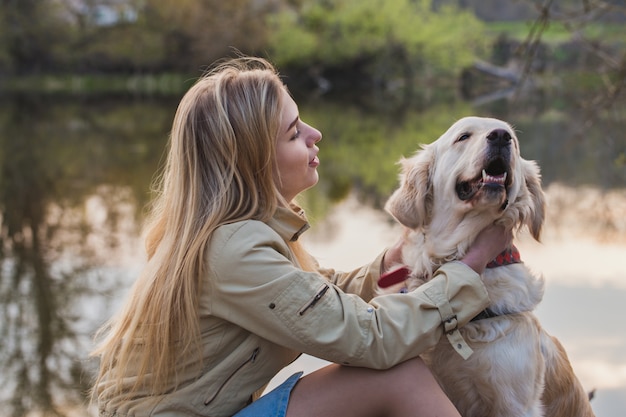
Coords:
491,179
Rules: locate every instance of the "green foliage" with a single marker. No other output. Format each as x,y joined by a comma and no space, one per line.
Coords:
33,35
339,32
194,33
295,45
163,84
5,59
123,47
558,32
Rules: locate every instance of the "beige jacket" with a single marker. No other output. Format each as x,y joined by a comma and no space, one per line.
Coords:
259,312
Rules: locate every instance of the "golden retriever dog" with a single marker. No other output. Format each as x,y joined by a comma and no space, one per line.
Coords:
470,177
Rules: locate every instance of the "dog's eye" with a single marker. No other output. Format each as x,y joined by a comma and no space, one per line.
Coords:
463,137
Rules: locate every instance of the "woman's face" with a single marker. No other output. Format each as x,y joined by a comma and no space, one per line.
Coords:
296,153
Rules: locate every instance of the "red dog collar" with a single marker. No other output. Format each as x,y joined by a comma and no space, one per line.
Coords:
507,257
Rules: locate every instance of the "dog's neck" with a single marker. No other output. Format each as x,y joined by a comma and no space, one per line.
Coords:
507,257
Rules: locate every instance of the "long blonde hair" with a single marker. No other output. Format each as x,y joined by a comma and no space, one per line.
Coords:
220,169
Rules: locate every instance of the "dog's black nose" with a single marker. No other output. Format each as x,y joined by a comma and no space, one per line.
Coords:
499,137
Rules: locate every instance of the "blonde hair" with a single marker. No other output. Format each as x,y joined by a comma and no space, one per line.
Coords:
220,169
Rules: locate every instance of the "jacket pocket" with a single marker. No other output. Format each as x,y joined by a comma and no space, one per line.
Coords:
314,300
232,375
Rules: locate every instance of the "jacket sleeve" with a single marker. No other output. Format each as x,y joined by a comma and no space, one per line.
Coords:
362,281
254,284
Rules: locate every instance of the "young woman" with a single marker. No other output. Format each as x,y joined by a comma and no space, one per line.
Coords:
229,297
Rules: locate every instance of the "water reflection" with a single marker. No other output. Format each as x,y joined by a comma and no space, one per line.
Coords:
52,160
37,324
75,176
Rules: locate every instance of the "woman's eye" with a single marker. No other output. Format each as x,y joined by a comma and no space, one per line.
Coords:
296,134
463,137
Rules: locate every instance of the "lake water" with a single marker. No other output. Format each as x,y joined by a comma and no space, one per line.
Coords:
75,175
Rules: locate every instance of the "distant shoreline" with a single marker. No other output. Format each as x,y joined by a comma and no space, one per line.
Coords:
161,84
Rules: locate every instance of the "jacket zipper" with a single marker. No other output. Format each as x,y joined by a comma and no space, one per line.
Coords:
314,300
251,359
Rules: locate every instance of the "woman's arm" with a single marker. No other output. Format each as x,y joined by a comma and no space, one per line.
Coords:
254,284
363,281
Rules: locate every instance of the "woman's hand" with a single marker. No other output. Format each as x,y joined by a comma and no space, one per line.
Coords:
488,244
393,256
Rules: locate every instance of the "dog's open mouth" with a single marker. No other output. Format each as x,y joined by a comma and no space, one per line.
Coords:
493,178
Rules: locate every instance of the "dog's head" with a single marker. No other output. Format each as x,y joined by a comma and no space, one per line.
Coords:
472,176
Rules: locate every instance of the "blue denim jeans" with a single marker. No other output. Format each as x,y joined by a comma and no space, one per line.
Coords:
274,403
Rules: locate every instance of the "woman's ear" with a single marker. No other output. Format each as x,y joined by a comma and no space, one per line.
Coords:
410,204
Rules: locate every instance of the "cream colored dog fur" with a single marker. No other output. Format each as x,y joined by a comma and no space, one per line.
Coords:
470,177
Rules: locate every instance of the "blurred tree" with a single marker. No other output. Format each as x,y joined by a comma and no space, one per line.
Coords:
32,35
600,65
127,35
5,60
163,35
196,32
607,56
239,24
388,40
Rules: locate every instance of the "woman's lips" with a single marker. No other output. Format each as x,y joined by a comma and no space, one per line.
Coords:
314,162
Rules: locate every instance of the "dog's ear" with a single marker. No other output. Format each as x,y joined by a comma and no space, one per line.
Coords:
538,207
410,204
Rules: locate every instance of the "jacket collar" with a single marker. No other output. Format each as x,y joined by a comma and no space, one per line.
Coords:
289,222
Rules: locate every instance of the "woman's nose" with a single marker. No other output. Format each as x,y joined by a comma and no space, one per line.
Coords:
317,135
314,136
